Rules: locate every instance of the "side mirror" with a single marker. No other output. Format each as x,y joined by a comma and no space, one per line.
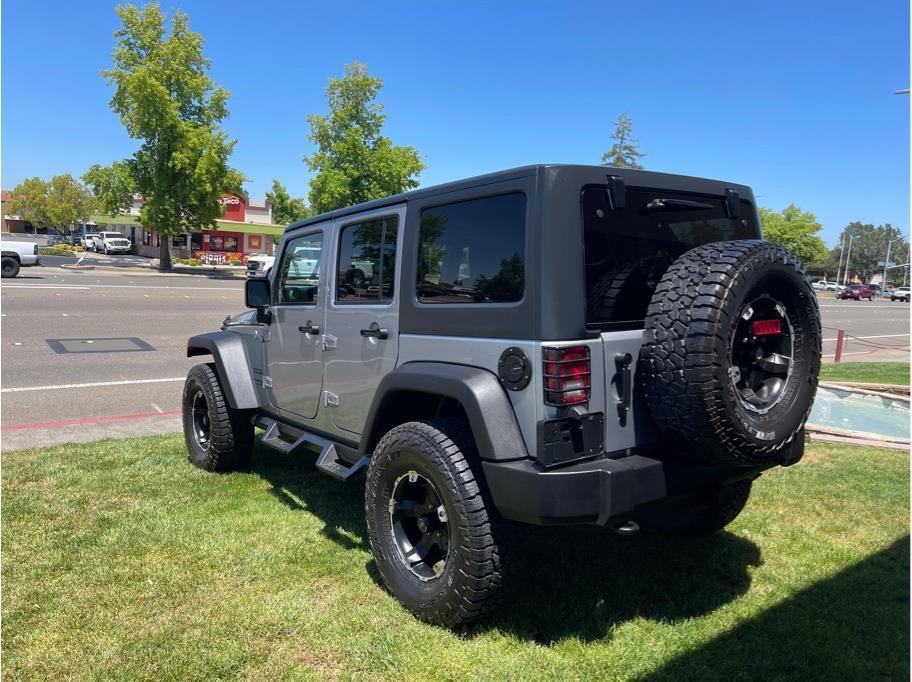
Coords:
256,295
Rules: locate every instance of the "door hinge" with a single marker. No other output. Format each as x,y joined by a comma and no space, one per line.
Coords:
267,382
330,399
329,342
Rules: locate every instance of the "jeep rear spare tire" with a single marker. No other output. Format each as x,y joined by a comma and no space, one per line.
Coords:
731,351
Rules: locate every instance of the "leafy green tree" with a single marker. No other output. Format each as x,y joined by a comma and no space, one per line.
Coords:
286,209
60,202
166,99
625,152
113,186
869,250
796,230
354,161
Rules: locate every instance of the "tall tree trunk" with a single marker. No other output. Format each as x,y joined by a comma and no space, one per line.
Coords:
164,254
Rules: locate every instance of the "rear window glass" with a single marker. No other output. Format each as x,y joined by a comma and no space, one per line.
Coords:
367,262
473,251
628,250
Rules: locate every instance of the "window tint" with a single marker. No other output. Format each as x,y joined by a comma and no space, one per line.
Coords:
473,251
299,273
628,250
367,262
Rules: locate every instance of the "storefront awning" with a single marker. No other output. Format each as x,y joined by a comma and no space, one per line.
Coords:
226,225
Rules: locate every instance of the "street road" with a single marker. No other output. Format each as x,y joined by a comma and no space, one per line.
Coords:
48,396
51,397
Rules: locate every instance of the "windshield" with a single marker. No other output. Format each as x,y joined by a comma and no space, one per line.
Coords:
112,235
628,250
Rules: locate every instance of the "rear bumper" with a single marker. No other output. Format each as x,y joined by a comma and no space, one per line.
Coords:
587,492
597,491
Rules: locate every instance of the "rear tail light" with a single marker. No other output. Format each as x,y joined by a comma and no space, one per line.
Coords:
766,327
567,373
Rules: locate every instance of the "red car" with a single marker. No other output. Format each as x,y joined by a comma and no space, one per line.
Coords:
857,292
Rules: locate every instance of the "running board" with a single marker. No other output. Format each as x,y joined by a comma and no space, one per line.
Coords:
328,461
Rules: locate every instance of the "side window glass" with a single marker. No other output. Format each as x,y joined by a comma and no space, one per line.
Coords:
366,269
299,273
473,251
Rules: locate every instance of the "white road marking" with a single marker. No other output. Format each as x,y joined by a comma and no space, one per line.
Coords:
157,408
93,384
40,286
882,336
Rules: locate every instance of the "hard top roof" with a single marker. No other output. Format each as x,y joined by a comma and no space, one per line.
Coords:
633,177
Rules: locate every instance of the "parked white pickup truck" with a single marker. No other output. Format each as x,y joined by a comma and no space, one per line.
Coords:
16,255
259,265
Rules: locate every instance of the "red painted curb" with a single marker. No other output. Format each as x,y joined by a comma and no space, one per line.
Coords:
88,420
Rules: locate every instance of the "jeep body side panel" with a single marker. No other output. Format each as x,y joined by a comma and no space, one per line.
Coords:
478,391
230,354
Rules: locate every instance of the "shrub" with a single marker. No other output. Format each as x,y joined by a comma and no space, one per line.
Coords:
192,261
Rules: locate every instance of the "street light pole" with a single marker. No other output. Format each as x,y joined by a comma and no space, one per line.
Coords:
887,261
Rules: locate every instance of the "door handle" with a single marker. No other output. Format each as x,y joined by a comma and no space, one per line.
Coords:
375,331
309,328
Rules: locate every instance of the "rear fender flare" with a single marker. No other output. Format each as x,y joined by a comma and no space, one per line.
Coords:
230,355
486,405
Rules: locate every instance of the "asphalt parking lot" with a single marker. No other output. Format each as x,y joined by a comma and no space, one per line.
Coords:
55,390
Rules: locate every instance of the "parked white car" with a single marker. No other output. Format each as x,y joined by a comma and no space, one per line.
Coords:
824,285
88,241
900,294
112,242
16,255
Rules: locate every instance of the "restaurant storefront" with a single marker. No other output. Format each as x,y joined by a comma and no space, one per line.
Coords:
246,228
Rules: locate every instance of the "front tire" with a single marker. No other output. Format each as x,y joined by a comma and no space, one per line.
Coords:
431,532
9,267
219,438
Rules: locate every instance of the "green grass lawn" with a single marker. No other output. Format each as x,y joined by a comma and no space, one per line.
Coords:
873,372
120,560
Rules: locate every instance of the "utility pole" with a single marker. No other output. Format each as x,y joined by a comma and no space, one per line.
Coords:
841,252
845,275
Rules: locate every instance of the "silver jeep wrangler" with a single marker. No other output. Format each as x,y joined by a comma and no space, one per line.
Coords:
548,345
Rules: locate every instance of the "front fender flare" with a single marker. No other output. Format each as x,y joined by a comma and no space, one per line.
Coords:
230,355
490,414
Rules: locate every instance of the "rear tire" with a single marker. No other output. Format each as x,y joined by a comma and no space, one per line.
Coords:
731,391
219,438
444,567
705,513
9,267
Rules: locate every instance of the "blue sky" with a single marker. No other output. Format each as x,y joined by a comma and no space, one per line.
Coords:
792,98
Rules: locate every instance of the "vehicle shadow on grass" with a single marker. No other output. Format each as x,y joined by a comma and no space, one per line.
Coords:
570,581
298,485
582,581
853,626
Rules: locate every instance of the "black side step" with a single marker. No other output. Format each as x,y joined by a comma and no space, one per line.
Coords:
328,461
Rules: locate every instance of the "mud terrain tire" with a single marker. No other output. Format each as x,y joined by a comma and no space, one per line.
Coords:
715,373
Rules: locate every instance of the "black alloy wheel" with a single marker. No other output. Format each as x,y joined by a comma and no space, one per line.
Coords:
419,523
201,424
761,354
